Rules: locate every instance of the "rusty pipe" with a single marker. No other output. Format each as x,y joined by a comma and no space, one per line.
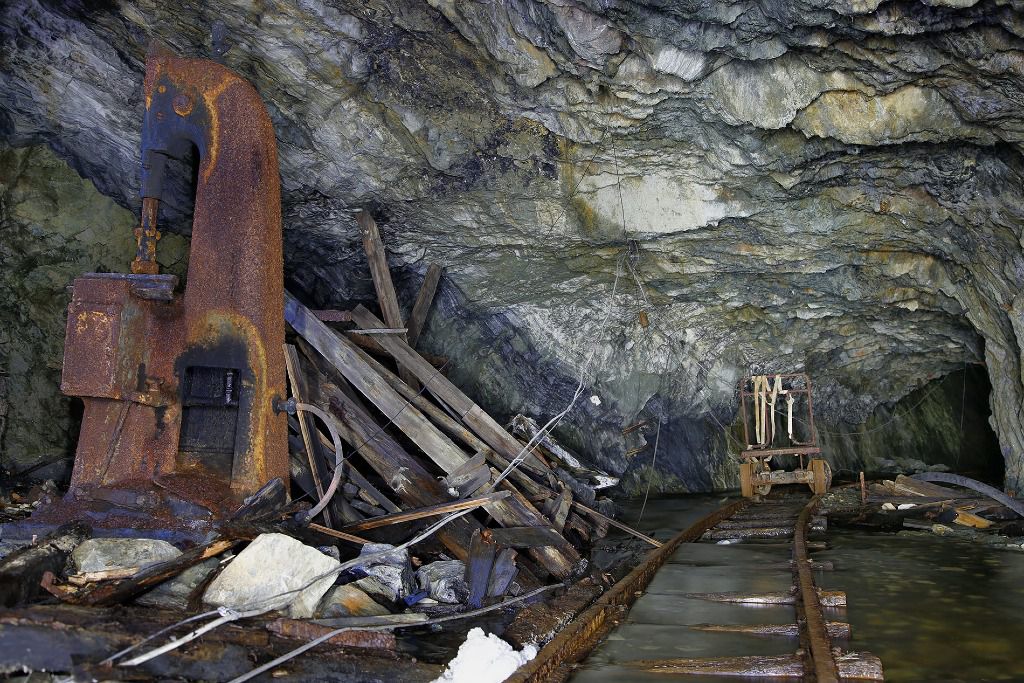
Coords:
146,236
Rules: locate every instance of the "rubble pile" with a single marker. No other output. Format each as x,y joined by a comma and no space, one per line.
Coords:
406,502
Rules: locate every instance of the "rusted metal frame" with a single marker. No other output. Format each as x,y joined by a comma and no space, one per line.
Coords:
813,626
582,634
744,394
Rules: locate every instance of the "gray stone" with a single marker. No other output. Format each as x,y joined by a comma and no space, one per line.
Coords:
175,593
348,601
274,572
100,554
445,579
389,577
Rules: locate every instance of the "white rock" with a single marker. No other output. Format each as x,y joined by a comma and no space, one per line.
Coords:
274,572
485,659
905,506
100,554
888,506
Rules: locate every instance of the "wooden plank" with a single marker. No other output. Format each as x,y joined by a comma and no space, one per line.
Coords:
402,473
468,479
351,538
560,511
503,573
297,382
331,316
482,424
377,258
367,342
358,480
424,299
429,511
448,425
478,569
514,511
527,537
341,353
386,297
409,359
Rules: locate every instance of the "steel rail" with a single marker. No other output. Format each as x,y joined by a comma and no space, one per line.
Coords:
582,634
819,658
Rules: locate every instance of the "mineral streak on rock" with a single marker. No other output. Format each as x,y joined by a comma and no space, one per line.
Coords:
829,186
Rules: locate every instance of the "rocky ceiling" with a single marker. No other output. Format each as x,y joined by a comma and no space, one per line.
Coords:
820,185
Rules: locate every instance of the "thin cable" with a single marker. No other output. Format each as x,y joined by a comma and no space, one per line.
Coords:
272,602
650,476
387,627
581,385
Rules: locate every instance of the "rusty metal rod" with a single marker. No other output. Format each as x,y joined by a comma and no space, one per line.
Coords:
582,634
810,616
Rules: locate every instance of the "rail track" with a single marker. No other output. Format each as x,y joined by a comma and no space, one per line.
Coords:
782,517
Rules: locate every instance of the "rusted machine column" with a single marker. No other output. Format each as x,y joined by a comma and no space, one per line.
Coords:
179,388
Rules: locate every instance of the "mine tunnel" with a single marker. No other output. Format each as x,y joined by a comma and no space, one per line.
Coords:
527,340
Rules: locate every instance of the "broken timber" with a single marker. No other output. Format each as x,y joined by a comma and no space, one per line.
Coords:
438,447
386,297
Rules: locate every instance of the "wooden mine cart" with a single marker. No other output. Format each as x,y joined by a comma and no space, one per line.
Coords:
762,413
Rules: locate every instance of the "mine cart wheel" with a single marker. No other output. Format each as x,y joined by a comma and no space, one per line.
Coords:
762,466
747,479
822,476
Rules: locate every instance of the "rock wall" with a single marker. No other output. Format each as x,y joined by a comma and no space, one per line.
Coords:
822,185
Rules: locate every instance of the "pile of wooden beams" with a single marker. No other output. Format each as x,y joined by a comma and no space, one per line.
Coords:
417,447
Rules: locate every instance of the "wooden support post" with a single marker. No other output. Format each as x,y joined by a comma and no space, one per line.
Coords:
386,296
527,537
478,568
424,298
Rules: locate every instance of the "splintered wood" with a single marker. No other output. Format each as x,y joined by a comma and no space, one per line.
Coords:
418,448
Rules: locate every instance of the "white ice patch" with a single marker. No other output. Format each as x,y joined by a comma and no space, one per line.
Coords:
604,481
485,659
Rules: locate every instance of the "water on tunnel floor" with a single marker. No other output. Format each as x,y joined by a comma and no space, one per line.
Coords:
933,609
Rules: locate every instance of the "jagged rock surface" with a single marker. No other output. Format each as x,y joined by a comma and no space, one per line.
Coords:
821,185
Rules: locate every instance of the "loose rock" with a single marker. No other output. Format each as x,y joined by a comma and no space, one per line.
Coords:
274,572
175,593
349,601
389,577
445,580
100,554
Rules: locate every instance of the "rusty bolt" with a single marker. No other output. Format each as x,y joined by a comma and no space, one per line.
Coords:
182,105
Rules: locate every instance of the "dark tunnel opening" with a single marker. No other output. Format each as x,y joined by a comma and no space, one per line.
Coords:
942,426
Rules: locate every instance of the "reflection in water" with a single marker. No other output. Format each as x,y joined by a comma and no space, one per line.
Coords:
933,609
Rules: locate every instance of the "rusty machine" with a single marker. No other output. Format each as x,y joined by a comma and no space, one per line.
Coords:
765,402
179,388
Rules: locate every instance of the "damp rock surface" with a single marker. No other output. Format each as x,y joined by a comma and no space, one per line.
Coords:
829,187
100,554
